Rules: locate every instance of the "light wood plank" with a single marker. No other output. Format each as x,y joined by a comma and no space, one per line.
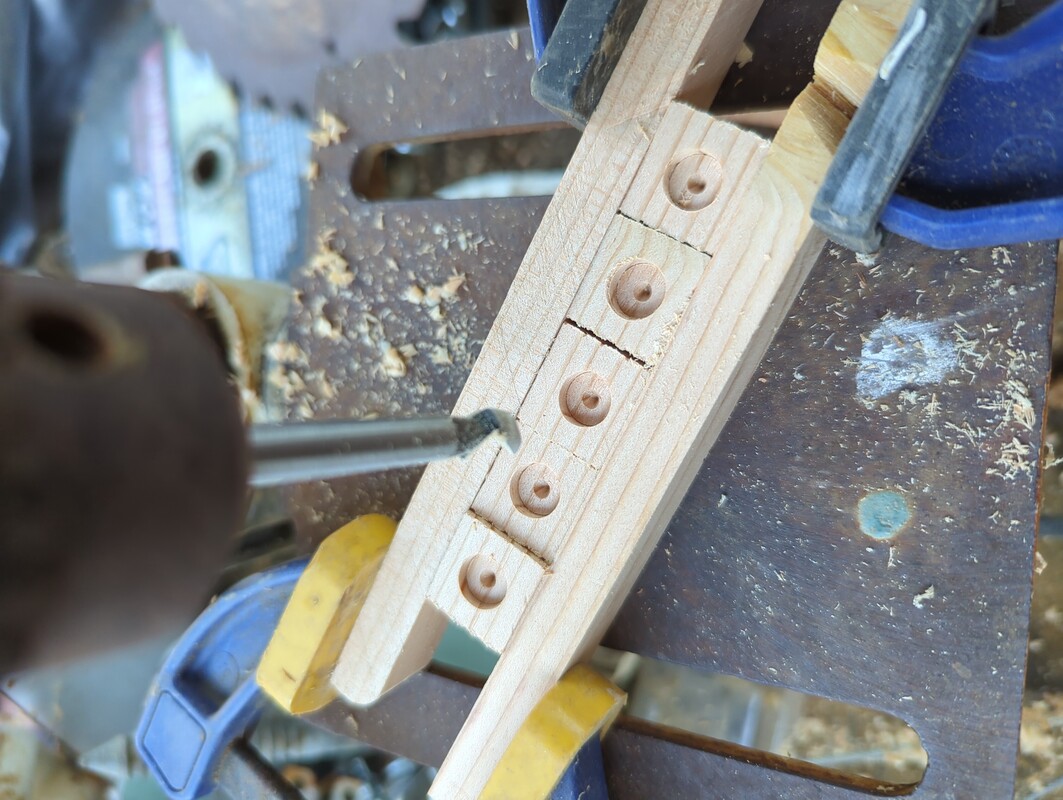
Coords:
729,322
637,289
396,632
859,28
691,175
566,454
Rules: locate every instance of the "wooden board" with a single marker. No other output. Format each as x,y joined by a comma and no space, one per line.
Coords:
622,436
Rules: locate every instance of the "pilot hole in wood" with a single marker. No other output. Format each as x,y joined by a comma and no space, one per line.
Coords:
535,490
637,290
693,181
586,399
482,584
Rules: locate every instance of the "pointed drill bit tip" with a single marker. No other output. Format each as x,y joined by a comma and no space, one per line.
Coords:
487,424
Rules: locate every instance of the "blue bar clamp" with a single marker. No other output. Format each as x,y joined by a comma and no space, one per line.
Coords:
205,696
959,142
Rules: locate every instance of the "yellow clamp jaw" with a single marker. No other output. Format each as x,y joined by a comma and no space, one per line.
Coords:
581,705
296,668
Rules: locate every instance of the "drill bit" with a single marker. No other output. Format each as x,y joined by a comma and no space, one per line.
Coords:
304,451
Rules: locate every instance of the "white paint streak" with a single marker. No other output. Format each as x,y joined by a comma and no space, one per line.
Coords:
903,352
904,42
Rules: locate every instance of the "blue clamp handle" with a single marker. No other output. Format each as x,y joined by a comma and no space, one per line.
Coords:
997,139
543,16
205,696
585,777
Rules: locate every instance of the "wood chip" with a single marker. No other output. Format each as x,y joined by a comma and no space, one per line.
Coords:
329,130
923,596
392,361
440,356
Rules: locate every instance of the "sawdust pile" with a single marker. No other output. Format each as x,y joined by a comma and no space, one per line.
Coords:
828,732
1040,770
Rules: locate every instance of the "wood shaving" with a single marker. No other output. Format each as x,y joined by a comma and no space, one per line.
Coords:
1040,747
287,352
440,356
324,329
1013,460
329,130
330,264
325,387
921,598
745,55
289,382
392,361
447,291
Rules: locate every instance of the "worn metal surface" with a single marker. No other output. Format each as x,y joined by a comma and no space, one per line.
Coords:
274,49
122,467
340,363
421,718
906,395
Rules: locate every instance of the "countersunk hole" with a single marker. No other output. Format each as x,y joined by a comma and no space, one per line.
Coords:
65,337
692,182
637,290
585,399
480,581
534,490
207,168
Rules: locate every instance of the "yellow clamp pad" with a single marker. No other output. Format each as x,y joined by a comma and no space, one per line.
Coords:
297,665
580,705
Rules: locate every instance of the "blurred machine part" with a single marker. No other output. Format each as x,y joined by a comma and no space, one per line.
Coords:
243,316
16,194
30,770
45,49
122,467
166,157
274,49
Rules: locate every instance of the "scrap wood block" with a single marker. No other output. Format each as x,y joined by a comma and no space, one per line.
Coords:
669,256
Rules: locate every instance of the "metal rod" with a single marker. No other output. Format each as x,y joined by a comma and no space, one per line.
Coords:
304,451
244,775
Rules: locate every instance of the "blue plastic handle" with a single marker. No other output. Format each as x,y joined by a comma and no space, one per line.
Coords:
542,16
205,695
585,777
